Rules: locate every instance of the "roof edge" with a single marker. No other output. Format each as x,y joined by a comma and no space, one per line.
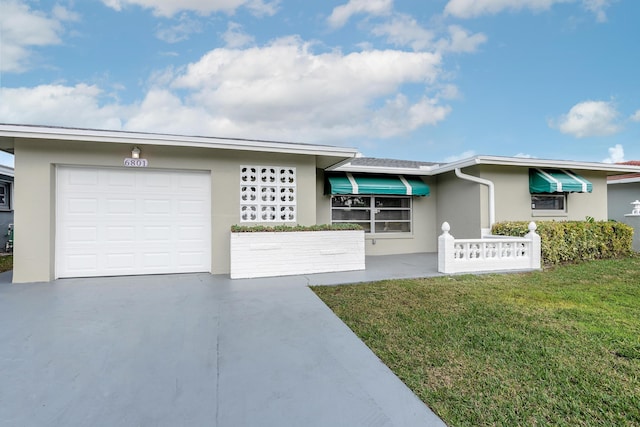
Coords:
540,163
127,137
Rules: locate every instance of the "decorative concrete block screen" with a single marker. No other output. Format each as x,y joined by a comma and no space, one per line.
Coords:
265,254
491,253
267,194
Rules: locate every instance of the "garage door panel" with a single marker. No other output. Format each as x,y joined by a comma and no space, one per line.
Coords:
83,206
82,178
116,206
122,222
157,207
119,233
121,180
82,234
82,262
120,261
190,259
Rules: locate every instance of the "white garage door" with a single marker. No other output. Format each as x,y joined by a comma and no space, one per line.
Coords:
113,222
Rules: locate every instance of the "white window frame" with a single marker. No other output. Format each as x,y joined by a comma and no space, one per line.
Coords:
550,212
373,210
268,194
6,205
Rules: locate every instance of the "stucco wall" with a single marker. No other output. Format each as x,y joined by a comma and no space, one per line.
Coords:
35,162
620,197
459,204
513,199
421,239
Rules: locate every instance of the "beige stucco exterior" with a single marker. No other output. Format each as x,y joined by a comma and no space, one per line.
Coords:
465,205
35,165
513,200
460,204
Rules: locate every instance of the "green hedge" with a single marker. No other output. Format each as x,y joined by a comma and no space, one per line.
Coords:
572,241
286,228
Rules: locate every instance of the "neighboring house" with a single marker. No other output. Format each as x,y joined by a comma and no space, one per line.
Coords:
6,205
622,191
102,203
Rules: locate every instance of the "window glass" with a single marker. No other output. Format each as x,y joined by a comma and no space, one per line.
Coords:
548,202
385,214
393,227
350,215
4,195
392,202
388,215
351,201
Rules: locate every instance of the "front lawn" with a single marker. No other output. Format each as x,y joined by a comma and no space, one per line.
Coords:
559,347
6,263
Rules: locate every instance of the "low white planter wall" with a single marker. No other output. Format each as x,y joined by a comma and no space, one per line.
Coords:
265,254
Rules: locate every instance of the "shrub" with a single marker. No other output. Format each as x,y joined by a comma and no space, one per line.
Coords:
572,241
288,228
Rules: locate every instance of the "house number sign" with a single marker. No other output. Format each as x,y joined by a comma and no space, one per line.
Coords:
136,163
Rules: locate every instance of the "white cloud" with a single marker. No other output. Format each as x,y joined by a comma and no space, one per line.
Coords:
525,156
589,118
286,90
282,91
461,41
404,30
235,36
341,14
616,154
597,7
169,8
59,105
636,116
24,29
475,8
262,8
461,156
179,31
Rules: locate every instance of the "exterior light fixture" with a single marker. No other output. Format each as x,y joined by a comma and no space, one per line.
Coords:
135,153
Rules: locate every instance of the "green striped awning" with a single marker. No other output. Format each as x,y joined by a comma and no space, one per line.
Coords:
376,184
557,181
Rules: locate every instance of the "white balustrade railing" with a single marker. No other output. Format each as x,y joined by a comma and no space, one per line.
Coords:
491,253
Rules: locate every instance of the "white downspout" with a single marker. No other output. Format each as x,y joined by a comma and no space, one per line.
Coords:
492,200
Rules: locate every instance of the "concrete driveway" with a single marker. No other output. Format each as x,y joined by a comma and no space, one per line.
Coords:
189,350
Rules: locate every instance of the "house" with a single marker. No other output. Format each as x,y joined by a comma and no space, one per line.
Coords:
622,191
104,203
6,207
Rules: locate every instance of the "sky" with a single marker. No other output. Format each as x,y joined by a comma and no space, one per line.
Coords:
429,80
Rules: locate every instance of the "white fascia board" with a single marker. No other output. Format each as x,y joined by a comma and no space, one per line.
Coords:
133,138
423,171
623,181
537,163
6,170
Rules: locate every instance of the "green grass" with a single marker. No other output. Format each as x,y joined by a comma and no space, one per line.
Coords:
6,263
559,347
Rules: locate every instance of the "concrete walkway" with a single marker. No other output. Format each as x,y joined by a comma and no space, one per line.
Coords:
191,350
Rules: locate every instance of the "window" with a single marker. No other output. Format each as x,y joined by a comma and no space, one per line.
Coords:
549,202
267,194
376,214
5,195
